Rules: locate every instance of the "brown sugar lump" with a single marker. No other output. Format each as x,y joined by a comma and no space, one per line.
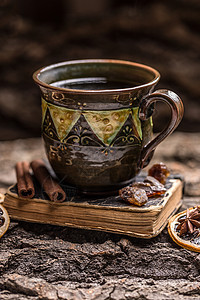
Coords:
133,195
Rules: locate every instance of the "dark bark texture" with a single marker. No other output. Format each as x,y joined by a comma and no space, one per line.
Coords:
51,262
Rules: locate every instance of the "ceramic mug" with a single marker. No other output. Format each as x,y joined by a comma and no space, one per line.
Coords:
96,120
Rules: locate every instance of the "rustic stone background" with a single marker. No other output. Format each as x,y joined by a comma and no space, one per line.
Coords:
163,34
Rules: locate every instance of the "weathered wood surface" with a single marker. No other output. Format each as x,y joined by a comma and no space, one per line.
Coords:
52,262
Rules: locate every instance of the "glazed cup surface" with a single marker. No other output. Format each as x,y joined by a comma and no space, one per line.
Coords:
94,138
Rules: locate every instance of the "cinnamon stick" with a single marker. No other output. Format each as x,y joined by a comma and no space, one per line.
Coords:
25,184
50,185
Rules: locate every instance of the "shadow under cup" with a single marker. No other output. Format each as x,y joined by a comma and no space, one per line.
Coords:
90,121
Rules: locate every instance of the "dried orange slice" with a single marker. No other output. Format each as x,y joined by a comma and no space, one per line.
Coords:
4,218
192,244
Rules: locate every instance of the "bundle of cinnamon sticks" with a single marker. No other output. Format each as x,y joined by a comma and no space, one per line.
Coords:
25,183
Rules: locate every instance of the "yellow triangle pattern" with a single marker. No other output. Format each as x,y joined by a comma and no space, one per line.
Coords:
106,124
136,121
64,119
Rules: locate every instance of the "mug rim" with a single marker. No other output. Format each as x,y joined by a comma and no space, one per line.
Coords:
102,91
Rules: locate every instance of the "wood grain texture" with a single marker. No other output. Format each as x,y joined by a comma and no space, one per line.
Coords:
54,262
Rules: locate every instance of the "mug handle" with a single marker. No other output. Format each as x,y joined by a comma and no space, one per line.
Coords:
177,110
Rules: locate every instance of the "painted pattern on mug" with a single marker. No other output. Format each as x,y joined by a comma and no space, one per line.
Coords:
109,128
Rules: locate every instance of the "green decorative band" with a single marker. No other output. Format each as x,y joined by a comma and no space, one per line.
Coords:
97,128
